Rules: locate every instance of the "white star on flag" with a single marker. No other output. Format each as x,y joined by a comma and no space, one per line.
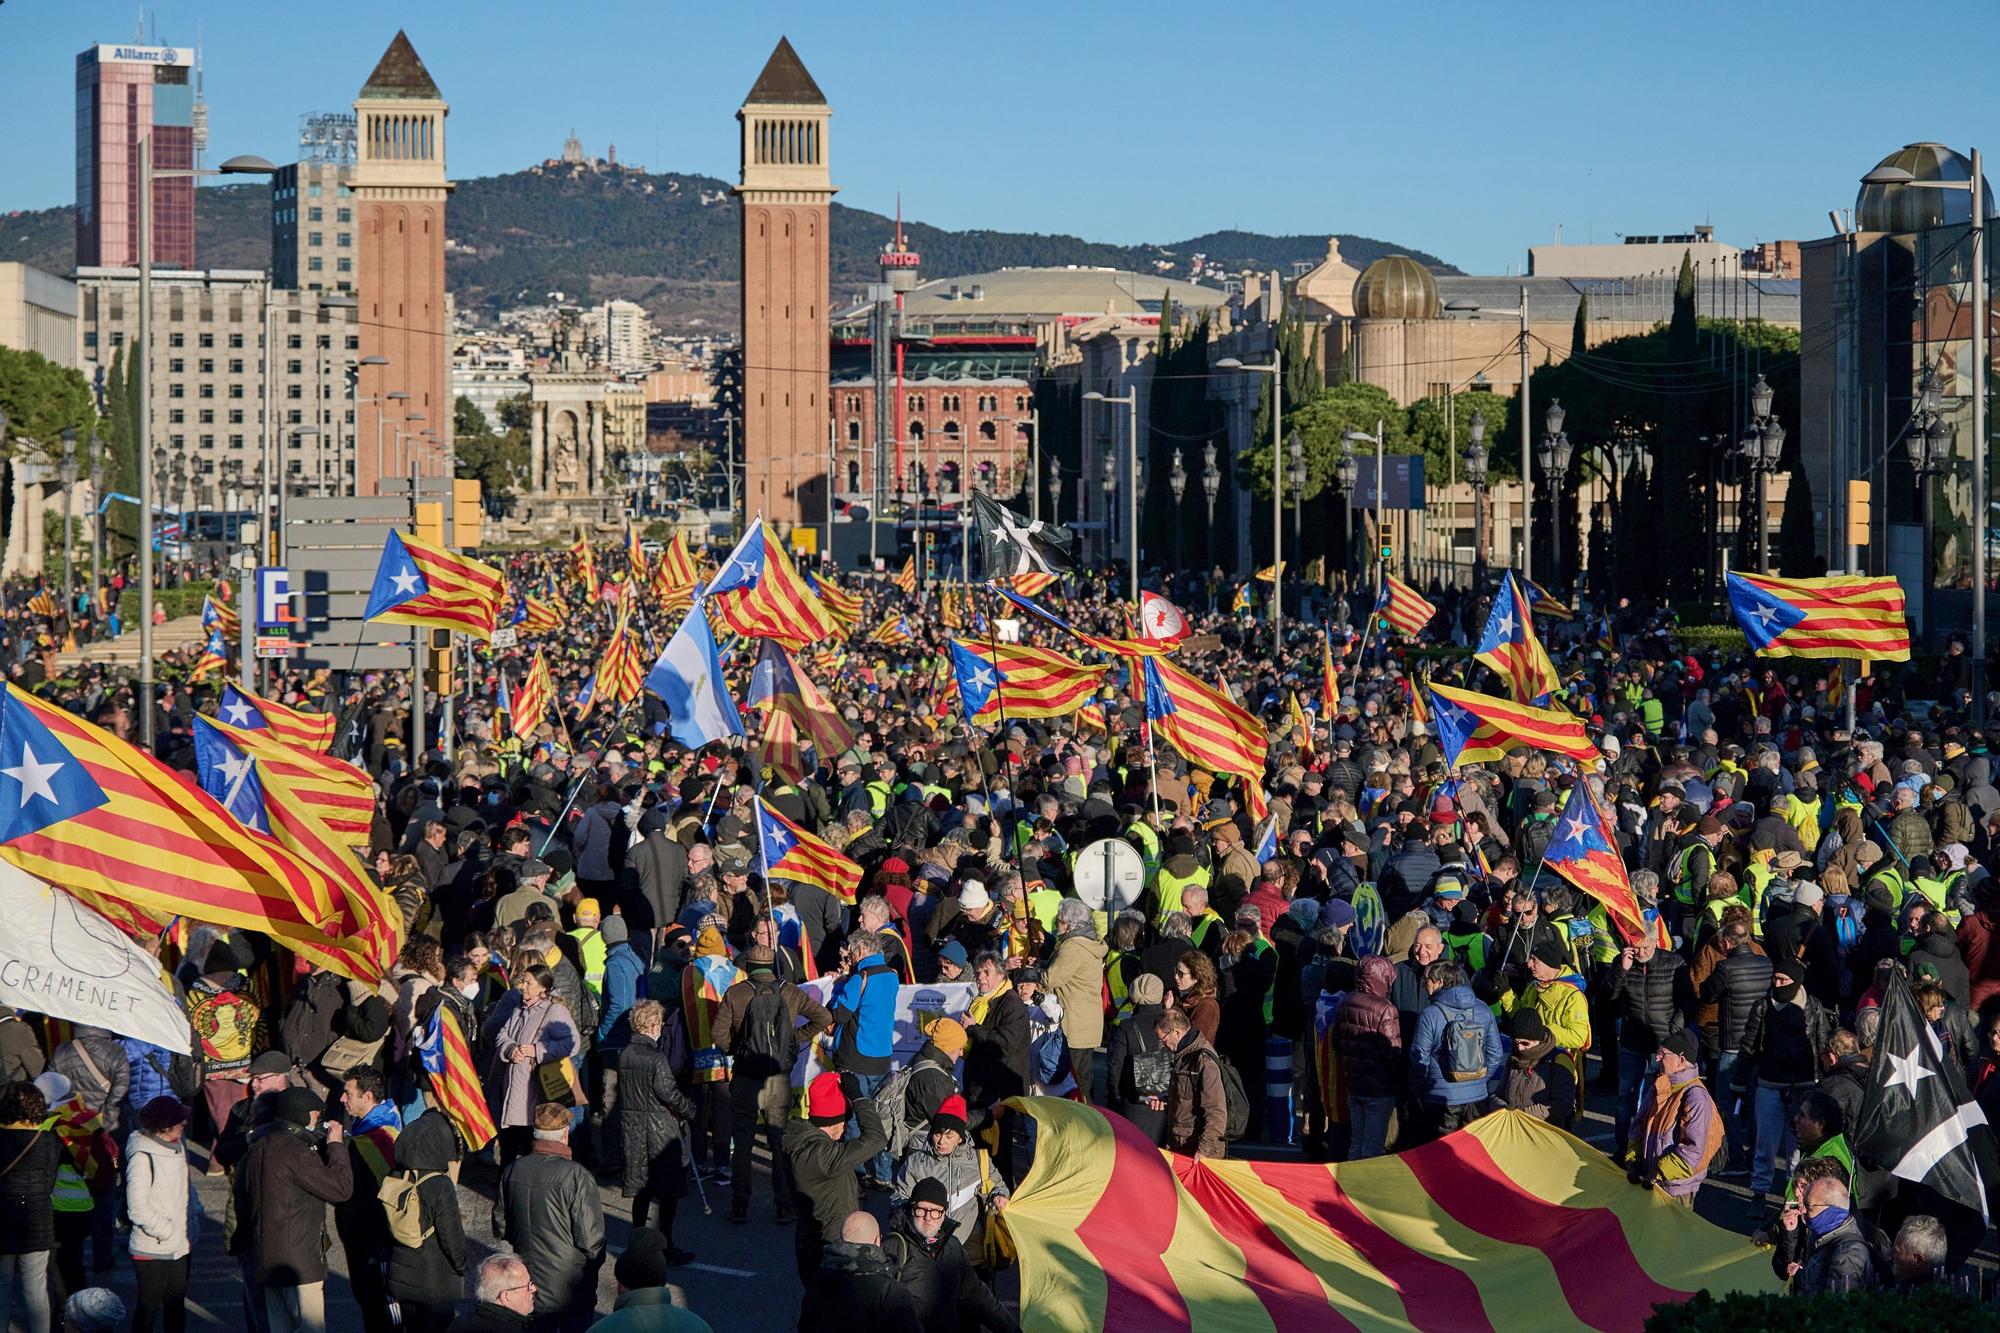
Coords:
238,714
1577,828
33,775
1765,613
1908,1072
982,678
406,582
1506,626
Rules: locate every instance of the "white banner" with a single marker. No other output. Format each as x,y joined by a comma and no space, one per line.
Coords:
58,957
913,1003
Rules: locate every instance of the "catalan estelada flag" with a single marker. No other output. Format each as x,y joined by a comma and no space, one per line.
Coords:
453,1079
1584,851
422,583
1545,603
78,806
1206,726
1028,585
842,605
1473,728
778,683
1419,714
1843,615
906,577
583,564
1508,645
219,616
1016,680
214,657
1402,607
252,712
337,792
530,703
540,616
788,852
892,633
759,594
1508,1223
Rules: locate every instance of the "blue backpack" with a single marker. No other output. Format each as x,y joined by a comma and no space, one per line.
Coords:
1845,918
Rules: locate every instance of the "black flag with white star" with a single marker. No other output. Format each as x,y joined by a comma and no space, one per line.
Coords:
1917,1119
1010,544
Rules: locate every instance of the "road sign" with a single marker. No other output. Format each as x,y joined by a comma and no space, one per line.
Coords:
275,645
1109,875
274,598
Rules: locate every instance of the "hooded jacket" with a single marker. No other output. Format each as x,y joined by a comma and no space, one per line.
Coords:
159,1195
1427,1074
1369,1034
433,1273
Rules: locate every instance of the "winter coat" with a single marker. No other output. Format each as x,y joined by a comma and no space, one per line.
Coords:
864,1007
592,843
931,1081
1403,879
94,1063
1197,1105
492,1317
624,986
653,1113
549,1210
1847,1084
1368,1034
1135,1037
1940,954
662,867
27,1188
1739,984
1978,944
856,1289
146,1070
433,1273
1407,993
159,1196
1427,1074
1540,1084
1075,976
21,1058
958,1173
727,1027
947,1294
996,1053
282,1189
1653,1000
823,1169
1797,934
1785,1041
650,1310
1839,1261
548,1028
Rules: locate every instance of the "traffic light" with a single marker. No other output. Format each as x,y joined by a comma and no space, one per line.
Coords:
1858,515
467,513
437,671
1388,540
430,521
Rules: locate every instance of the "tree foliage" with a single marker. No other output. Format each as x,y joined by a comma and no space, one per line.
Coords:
497,459
41,400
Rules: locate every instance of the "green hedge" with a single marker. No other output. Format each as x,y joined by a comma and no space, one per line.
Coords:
1725,639
1932,1309
182,601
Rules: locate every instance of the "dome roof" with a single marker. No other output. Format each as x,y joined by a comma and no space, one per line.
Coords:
1900,209
1395,287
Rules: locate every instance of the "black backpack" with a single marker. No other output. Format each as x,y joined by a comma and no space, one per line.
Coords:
767,1041
1237,1123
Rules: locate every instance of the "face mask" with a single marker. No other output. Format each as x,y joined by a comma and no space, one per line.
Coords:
1826,1220
470,992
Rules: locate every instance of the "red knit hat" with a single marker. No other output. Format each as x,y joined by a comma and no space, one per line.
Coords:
950,1114
826,1104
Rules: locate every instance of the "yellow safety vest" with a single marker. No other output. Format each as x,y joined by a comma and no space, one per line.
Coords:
1170,886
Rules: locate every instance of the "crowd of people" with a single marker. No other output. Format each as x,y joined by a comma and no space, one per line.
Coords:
587,897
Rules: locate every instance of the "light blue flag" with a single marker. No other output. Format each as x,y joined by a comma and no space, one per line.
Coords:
688,679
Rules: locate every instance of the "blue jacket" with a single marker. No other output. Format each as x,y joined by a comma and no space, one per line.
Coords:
1425,1073
864,1005
147,1082
592,842
624,986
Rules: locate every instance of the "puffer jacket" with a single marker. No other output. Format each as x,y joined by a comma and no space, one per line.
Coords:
159,1195
1738,985
958,1173
146,1069
433,1273
94,1063
652,1114
948,1295
1369,1035
1652,1000
548,1209
27,1188
1788,1040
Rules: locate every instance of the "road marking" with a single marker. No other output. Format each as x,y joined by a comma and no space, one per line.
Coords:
718,1268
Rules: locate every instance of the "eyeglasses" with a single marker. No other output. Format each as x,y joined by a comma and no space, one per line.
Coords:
525,1286
927,1210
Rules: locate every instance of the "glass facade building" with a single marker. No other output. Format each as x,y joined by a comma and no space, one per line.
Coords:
123,94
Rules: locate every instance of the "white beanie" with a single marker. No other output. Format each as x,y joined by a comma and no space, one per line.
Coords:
972,896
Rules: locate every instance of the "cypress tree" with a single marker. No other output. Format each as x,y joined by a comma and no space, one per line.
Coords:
1579,333
1677,501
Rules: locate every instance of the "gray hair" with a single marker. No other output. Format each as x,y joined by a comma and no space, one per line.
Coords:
495,1275
1923,1239
1830,1192
1176,923
1072,914
1646,885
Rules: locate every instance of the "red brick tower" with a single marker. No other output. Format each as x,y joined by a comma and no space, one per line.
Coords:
785,191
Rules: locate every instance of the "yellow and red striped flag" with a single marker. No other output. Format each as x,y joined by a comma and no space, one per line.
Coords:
1329,679
1206,726
1117,1236
218,615
1402,607
948,608
419,582
214,657
583,565
1090,717
675,573
454,1080
1844,615
906,577
242,708
777,682
1508,645
81,808
43,603
531,702
1028,585
1474,728
1017,680
544,617
337,793
623,667
635,554
758,593
789,852
1301,723
892,633
1545,603
842,605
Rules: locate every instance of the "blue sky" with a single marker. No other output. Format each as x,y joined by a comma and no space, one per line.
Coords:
1471,130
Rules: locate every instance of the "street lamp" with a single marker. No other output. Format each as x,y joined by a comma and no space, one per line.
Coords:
1177,479
1527,461
1211,486
69,487
1553,453
1759,448
1345,473
1352,438
1055,490
1476,464
97,522
1275,369
1930,439
1297,476
1975,186
1130,398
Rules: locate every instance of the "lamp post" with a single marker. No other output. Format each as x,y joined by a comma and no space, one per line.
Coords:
1930,440
1759,448
1527,461
1553,454
235,166
1130,398
1476,464
97,518
1211,486
1975,186
1177,479
1276,371
1355,437
1055,490
1110,508
1345,473
1297,476
69,487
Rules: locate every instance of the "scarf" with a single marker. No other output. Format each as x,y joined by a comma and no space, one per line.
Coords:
1824,1222
977,1013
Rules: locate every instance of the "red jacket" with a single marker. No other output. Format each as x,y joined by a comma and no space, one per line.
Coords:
1369,1036
1979,942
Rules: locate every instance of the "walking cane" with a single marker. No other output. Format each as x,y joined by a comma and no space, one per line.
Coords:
687,1157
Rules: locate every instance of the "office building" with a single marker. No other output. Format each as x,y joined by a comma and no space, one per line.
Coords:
312,226
628,335
123,95
38,313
